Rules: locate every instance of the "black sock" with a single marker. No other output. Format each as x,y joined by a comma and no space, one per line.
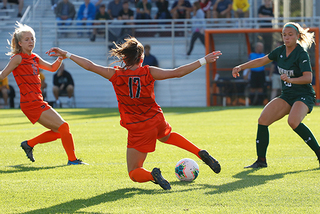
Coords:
304,132
262,141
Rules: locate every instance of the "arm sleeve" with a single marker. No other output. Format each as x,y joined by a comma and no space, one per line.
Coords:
304,62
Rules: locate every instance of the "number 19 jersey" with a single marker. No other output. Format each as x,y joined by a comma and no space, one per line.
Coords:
136,100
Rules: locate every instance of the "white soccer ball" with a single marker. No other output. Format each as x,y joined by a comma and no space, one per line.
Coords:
187,169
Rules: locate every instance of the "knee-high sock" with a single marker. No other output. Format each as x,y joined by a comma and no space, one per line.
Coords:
45,137
181,142
67,141
304,132
262,141
140,175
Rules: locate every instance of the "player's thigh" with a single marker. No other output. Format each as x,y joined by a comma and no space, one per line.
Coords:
298,111
273,111
51,119
135,159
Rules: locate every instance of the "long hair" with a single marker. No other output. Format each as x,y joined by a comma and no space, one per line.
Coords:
17,36
130,52
306,38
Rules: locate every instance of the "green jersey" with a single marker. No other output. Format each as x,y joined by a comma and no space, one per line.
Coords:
294,65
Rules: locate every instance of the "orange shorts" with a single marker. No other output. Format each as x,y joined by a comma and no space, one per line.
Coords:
34,111
146,141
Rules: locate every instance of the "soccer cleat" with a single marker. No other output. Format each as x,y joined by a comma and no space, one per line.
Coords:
28,150
210,161
76,162
158,179
258,164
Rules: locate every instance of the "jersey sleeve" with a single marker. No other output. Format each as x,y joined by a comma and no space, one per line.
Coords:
273,55
304,62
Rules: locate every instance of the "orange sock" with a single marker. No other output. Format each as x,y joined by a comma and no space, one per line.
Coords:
45,137
140,175
181,142
67,141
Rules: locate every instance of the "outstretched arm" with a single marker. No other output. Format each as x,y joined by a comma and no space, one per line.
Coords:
161,74
106,72
52,67
251,64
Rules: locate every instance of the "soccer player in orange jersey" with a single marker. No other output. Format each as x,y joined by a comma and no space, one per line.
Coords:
139,112
25,68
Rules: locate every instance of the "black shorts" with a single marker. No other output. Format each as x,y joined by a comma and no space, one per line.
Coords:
257,79
307,99
14,1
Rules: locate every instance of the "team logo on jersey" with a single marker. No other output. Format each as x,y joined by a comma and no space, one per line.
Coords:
302,98
289,73
43,106
281,56
304,61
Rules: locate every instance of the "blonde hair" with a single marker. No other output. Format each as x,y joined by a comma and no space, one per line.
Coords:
129,52
306,38
17,37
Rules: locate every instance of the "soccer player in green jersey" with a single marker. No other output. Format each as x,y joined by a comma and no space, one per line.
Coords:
297,97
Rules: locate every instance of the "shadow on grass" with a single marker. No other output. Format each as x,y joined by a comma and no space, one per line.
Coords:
26,168
247,180
77,204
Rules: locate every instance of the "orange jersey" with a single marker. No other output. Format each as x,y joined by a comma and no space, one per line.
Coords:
28,79
136,100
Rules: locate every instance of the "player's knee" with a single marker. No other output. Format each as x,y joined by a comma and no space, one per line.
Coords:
293,123
64,128
262,120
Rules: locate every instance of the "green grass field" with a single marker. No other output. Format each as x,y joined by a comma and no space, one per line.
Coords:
290,184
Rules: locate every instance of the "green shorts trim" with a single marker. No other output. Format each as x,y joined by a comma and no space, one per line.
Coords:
307,99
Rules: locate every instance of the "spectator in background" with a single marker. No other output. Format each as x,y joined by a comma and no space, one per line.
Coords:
4,88
43,85
101,15
149,59
240,8
114,7
65,11
62,84
126,14
181,9
87,11
257,78
163,10
18,2
198,26
222,9
205,6
143,10
275,78
266,11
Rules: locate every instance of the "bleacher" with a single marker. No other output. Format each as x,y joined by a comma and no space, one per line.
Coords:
169,43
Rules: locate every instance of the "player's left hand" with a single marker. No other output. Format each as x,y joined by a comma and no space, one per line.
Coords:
285,78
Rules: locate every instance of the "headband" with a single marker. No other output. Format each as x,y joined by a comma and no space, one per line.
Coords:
293,26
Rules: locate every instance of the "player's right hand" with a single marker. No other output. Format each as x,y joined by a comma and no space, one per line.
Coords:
235,71
212,57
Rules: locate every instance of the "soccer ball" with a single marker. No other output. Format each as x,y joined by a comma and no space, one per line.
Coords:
187,169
